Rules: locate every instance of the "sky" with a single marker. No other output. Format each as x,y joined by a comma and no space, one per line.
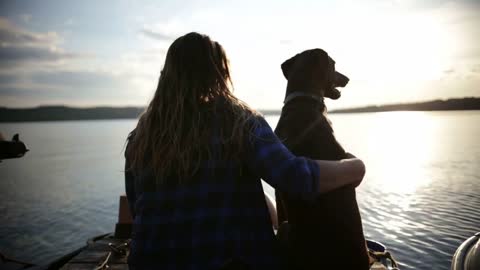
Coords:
110,52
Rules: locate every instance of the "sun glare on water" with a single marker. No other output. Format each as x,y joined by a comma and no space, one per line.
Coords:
410,137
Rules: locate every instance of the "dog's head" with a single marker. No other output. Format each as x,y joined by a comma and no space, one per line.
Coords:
314,71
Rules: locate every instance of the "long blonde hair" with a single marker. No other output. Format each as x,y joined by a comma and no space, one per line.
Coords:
192,107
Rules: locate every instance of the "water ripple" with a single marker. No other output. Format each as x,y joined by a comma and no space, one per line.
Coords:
422,206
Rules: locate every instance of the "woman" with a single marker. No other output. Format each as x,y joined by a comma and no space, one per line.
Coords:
193,169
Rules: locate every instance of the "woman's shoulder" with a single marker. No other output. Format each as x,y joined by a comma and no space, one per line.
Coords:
256,119
258,123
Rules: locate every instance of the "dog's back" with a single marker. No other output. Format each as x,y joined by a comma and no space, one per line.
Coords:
328,232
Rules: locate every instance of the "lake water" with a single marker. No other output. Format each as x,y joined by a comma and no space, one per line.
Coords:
420,196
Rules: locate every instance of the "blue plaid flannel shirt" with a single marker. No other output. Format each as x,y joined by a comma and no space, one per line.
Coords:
211,220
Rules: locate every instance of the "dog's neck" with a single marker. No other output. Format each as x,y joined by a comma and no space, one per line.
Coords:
293,95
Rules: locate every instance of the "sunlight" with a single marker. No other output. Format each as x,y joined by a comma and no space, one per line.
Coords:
410,137
413,47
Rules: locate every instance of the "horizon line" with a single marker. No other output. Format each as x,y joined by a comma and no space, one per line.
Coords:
259,109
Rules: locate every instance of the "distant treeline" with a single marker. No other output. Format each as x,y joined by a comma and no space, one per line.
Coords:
457,104
63,113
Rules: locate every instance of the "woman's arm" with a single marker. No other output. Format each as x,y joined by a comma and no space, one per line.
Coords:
269,159
336,174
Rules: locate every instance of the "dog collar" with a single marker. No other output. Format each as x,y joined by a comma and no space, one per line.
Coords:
293,95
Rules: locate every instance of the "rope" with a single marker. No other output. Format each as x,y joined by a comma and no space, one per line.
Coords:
377,255
120,249
103,264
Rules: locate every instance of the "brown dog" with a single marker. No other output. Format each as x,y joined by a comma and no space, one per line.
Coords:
326,233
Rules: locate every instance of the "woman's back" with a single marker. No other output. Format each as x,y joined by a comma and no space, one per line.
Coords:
201,224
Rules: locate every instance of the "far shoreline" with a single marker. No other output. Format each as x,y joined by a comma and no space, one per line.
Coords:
65,113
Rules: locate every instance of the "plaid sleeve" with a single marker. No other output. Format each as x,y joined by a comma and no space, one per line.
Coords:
269,159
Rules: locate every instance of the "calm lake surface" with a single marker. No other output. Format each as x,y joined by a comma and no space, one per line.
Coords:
420,197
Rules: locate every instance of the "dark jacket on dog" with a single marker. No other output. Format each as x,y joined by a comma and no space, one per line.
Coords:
328,232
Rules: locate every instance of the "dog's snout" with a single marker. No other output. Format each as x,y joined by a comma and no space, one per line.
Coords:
340,79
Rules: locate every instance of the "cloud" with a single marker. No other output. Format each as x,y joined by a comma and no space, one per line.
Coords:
68,87
11,34
155,34
8,79
449,71
26,18
78,79
21,54
286,41
18,46
35,68
70,22
476,68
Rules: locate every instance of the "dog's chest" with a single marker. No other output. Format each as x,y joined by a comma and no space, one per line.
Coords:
309,133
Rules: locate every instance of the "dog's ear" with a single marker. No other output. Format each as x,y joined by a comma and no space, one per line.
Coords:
287,66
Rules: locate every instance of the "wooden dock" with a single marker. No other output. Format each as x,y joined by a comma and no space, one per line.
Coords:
101,253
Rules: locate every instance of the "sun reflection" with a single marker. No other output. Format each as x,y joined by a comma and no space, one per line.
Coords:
410,138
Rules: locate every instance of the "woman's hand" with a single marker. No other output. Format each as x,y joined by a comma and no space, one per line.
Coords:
336,174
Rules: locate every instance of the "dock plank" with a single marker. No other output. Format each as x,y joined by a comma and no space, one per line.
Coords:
90,266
